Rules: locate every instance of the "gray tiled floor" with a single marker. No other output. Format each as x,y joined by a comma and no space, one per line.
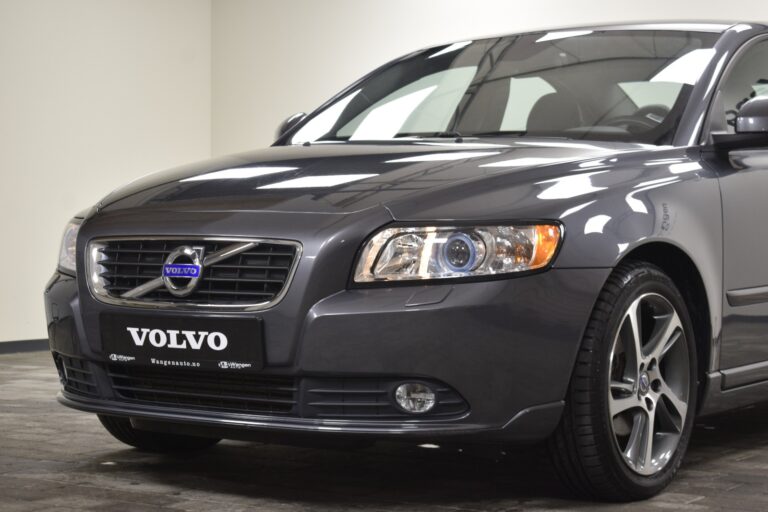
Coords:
52,458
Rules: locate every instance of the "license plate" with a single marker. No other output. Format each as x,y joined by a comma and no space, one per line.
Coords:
180,342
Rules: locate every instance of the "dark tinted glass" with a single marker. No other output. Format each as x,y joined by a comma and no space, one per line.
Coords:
606,85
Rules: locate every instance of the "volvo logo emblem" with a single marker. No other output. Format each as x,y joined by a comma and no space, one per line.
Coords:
182,270
645,383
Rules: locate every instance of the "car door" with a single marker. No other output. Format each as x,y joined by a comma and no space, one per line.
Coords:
744,188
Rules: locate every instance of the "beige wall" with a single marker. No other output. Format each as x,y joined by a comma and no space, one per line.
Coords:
272,58
93,93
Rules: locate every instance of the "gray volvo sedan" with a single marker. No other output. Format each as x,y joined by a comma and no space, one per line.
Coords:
555,236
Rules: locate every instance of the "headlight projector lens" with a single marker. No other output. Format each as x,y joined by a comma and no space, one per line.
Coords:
459,253
415,397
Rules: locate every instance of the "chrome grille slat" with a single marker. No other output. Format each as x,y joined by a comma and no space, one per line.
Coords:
131,264
247,274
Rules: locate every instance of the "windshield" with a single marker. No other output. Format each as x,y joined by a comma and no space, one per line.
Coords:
599,85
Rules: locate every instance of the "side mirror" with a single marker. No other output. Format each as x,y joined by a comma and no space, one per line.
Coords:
289,123
751,127
753,116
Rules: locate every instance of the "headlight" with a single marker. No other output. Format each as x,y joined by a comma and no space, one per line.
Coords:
67,253
438,252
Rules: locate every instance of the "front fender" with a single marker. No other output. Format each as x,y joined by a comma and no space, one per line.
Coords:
675,202
609,207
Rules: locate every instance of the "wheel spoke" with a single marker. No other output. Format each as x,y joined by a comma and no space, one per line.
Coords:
623,388
666,337
648,436
680,406
634,448
620,405
635,346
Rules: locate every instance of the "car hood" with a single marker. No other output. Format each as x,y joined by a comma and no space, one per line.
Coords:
343,178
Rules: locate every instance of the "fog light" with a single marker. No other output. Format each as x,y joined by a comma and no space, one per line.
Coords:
415,397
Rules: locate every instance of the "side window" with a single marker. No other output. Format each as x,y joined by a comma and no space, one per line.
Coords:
747,79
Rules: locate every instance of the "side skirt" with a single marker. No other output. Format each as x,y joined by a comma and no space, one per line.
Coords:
735,388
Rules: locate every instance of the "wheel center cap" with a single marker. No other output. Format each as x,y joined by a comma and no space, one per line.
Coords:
644,383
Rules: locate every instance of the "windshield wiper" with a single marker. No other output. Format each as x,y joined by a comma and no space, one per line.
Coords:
448,134
500,133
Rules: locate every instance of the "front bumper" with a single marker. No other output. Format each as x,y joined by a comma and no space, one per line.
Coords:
527,425
507,347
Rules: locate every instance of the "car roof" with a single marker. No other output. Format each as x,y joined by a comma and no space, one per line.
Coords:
716,27
690,26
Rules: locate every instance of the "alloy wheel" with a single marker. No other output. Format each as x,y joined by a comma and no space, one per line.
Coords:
649,384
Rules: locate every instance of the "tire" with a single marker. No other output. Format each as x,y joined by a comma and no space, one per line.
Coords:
601,447
155,442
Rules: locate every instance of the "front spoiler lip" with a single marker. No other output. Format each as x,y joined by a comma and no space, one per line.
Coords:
269,423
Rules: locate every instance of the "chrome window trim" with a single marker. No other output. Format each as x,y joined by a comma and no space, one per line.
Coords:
100,294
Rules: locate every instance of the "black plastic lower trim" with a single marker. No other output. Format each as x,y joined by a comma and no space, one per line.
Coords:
531,424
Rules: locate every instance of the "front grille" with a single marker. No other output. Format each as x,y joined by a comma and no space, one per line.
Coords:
75,375
237,392
256,276
370,398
